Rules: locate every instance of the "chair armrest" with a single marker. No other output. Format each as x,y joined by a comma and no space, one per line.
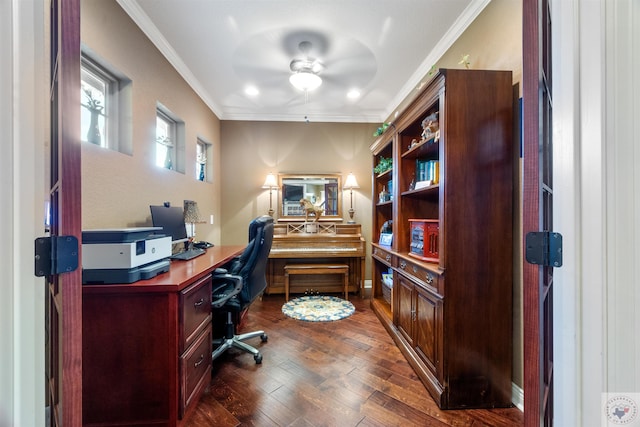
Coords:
225,287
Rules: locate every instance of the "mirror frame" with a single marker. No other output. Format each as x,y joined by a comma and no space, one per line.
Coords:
282,177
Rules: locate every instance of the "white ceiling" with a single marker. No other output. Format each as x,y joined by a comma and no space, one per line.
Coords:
382,48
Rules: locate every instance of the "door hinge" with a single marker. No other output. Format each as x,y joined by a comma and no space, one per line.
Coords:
55,255
544,248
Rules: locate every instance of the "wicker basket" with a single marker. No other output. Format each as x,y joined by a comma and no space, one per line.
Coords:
387,286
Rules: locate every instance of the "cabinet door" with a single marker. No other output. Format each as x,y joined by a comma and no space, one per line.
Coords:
428,330
404,307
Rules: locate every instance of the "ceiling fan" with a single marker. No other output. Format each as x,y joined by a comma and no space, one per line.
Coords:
305,70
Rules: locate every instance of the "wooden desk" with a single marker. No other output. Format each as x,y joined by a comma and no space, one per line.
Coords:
147,345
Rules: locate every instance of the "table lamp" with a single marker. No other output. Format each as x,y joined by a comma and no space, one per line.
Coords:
349,184
191,218
270,183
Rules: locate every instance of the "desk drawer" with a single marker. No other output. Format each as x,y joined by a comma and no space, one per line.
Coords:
195,311
195,369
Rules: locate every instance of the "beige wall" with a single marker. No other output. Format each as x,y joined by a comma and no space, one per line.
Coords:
250,150
117,189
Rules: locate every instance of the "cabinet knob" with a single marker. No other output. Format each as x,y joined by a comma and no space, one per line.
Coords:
403,264
388,258
199,303
429,278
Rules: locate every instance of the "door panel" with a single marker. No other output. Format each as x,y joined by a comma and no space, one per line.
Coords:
537,211
404,312
427,336
64,296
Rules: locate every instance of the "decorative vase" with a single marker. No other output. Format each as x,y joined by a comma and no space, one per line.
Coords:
93,135
167,160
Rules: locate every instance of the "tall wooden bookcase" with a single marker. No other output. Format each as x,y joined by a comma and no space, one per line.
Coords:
450,315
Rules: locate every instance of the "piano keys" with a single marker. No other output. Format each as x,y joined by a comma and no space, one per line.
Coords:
331,243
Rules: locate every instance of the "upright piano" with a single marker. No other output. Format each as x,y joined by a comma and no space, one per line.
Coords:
316,243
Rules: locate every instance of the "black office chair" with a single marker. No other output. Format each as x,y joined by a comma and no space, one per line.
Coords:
237,285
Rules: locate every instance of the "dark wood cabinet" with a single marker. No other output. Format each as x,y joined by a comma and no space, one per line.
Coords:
451,175
147,345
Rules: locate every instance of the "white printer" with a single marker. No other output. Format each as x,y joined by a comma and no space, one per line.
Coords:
124,255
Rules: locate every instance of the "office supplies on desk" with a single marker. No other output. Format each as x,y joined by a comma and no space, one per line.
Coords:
188,254
202,244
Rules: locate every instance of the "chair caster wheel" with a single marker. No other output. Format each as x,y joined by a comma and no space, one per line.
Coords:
258,359
264,337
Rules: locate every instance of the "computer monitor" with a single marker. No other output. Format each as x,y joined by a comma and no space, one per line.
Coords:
171,219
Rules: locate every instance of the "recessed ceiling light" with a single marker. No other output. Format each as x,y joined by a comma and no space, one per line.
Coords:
251,91
353,94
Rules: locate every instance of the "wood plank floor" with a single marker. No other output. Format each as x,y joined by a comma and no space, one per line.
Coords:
344,373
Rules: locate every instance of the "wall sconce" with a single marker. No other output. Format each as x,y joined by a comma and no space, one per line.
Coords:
270,183
191,218
349,184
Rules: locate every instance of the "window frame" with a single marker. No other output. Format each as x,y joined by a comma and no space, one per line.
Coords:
117,110
111,100
175,133
202,146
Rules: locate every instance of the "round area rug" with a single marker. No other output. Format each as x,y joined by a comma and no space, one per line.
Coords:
318,308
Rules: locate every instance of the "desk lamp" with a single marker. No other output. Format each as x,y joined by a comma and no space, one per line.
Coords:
270,183
191,217
349,184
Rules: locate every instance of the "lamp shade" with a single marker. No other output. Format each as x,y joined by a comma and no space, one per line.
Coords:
305,80
270,181
351,182
191,212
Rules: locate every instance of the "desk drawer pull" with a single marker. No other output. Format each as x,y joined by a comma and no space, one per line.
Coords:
199,362
199,303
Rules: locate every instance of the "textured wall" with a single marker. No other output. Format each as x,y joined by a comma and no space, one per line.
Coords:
250,150
117,189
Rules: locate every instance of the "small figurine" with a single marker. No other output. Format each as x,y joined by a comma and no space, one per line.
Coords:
311,209
430,126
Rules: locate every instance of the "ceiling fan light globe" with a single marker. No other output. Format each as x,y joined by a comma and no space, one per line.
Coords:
305,80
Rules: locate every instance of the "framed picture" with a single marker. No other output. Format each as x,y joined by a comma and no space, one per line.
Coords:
386,239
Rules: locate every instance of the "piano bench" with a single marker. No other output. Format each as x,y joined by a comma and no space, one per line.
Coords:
316,269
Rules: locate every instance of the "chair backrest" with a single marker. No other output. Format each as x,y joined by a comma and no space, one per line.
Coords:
253,272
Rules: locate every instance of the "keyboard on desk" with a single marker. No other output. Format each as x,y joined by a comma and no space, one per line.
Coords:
189,254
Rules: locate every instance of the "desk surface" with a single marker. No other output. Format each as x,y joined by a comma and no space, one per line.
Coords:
180,274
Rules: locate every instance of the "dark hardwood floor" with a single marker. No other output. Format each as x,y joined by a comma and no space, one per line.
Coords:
343,373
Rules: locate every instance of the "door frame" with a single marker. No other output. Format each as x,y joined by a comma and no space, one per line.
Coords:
579,210
23,133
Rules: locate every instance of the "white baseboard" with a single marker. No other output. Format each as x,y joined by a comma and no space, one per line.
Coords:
517,397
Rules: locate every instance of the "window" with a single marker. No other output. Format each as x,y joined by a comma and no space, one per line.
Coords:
165,139
169,140
203,162
105,101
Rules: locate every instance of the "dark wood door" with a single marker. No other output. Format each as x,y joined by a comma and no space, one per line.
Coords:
428,313
537,211
64,296
405,314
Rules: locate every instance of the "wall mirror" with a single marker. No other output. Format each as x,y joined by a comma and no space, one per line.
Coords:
322,190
